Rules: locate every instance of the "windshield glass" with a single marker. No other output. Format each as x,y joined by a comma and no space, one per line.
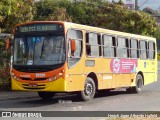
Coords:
39,50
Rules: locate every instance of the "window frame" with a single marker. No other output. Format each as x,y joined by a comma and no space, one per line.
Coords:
139,48
115,47
127,47
67,44
99,45
154,50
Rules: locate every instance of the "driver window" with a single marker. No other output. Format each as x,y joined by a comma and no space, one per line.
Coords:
73,58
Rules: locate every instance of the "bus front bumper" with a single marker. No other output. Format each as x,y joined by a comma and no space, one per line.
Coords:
58,85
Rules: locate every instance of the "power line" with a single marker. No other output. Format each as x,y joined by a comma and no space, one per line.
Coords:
143,3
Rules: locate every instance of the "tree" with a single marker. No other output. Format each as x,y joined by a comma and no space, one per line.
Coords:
118,17
59,14
121,2
52,10
148,10
15,11
157,34
97,13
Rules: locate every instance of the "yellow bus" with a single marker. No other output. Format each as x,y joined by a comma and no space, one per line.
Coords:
53,56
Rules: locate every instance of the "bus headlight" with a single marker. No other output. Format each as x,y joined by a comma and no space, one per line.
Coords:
55,77
15,77
49,79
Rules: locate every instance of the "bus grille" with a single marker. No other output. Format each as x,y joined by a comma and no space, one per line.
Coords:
36,79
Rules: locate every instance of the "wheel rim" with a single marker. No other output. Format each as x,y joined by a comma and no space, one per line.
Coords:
88,89
139,84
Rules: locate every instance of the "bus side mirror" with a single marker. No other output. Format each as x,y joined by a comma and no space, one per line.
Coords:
7,44
73,45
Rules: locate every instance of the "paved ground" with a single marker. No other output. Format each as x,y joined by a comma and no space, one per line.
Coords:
14,95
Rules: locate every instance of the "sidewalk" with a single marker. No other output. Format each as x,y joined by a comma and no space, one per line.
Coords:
8,95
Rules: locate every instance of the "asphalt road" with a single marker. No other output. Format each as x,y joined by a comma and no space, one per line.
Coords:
147,100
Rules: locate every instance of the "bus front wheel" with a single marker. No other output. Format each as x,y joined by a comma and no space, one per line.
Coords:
138,87
89,90
46,95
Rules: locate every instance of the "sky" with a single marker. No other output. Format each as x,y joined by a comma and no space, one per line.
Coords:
154,4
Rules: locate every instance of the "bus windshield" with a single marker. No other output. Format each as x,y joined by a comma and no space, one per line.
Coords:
39,50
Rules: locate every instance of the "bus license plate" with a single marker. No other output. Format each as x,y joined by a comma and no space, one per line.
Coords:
33,85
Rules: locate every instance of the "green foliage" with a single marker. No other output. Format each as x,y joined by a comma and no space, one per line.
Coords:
118,17
89,12
15,11
157,33
158,56
83,12
97,13
5,79
52,10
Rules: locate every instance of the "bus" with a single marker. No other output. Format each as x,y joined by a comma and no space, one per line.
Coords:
52,57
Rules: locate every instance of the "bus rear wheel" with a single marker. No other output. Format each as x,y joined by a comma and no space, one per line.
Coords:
46,95
89,90
139,85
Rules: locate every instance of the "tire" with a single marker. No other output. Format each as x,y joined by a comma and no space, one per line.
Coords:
46,95
89,90
138,87
129,90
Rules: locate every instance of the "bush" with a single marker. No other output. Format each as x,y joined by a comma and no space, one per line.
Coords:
158,56
5,79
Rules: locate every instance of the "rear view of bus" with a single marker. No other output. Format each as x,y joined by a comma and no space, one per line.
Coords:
39,58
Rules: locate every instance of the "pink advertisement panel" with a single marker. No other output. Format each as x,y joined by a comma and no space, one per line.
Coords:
123,65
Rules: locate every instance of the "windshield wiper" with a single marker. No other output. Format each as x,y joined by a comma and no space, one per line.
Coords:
42,49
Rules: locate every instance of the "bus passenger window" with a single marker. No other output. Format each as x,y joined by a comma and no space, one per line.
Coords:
122,48
143,49
133,48
151,50
93,44
109,46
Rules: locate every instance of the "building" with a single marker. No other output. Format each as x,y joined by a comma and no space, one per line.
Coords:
129,4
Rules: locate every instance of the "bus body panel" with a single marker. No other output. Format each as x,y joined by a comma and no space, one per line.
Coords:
94,65
147,67
75,76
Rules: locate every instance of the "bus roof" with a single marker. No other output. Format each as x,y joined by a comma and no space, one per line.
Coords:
107,31
93,29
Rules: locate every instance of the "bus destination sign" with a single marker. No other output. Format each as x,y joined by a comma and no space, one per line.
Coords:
39,28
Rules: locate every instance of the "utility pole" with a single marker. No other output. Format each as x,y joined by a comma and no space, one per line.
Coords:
136,4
